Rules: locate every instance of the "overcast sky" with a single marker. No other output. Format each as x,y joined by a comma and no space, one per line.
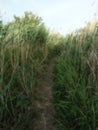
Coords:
60,15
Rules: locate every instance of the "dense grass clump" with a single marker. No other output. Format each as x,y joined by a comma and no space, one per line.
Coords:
22,53
76,82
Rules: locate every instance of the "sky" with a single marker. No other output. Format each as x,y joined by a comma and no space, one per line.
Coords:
61,16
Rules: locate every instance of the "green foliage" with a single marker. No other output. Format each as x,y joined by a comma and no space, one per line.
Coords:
55,45
22,45
25,46
76,83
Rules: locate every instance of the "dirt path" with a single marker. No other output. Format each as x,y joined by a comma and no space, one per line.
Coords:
44,105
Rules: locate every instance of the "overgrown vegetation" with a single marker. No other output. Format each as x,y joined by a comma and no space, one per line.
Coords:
26,46
76,82
22,53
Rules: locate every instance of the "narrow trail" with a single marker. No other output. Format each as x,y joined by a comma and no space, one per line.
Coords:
45,106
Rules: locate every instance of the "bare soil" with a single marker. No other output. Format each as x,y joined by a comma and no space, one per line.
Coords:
44,105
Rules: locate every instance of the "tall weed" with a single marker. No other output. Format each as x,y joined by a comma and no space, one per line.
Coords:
76,81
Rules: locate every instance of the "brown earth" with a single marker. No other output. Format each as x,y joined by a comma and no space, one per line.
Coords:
44,105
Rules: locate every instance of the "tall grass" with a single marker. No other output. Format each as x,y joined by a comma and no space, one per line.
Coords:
76,82
25,46
22,53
